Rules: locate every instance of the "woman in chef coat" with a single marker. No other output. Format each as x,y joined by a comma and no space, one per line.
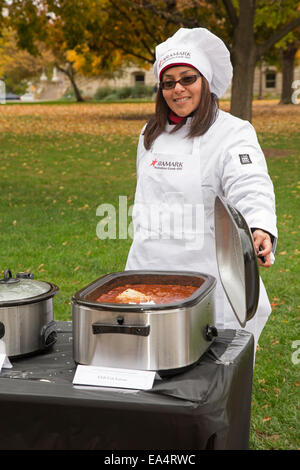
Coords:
189,152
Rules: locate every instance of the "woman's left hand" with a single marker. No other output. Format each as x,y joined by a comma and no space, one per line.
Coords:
263,247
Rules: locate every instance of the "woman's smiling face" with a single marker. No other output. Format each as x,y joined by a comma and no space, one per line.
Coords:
182,100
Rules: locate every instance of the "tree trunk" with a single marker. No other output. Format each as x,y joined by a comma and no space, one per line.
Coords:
243,56
242,90
75,88
287,66
261,76
69,71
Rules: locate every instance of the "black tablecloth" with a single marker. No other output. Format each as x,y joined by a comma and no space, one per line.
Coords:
206,407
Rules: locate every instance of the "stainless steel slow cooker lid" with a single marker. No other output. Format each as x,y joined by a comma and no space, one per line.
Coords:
22,288
236,259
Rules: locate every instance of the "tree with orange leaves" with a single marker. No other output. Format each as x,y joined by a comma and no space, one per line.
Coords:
101,36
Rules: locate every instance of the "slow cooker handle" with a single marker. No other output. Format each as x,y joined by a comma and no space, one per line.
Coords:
138,330
48,335
2,329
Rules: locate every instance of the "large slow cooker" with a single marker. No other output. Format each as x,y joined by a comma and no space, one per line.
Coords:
167,338
26,314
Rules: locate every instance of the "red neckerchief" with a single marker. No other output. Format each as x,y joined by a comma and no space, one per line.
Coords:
174,119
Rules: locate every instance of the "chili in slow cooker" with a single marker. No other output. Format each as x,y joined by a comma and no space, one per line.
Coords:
143,293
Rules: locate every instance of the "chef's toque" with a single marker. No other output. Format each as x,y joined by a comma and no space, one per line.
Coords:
200,49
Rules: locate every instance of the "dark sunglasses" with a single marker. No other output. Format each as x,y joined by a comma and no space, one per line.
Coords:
184,81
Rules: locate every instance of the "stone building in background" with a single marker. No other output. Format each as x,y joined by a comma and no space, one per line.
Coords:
267,83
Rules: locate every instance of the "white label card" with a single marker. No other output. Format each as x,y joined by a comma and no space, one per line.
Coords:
112,377
4,362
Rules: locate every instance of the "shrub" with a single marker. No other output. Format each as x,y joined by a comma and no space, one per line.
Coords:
124,92
142,91
111,97
110,94
102,92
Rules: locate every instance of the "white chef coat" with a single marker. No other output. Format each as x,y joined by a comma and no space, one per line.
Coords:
227,161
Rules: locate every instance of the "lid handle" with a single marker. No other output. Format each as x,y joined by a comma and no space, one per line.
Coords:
8,279
23,275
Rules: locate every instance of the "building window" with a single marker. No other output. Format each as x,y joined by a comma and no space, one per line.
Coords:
270,79
139,78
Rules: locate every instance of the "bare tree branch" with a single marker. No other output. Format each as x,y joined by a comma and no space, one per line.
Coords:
231,11
129,51
137,33
166,15
277,36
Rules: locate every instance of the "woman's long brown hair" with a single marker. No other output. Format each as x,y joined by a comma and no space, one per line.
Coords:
203,117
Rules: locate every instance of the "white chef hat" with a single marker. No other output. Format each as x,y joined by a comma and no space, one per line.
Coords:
200,49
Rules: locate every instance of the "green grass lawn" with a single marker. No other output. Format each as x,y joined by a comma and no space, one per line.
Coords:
275,410
51,186
50,190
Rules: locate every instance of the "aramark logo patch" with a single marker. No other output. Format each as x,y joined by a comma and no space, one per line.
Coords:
174,55
166,165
